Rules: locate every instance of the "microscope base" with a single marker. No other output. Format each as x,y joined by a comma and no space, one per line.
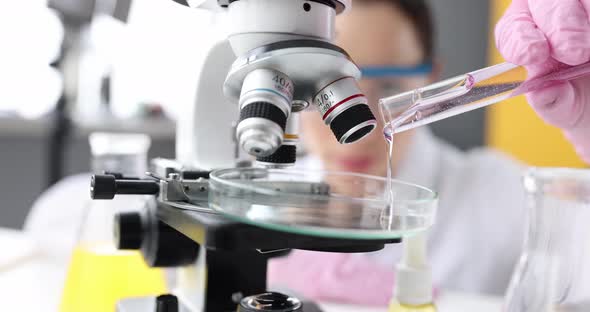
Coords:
148,304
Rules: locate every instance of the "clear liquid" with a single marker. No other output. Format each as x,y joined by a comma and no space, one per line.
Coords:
390,192
389,185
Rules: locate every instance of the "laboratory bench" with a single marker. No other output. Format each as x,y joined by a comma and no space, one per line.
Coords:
30,282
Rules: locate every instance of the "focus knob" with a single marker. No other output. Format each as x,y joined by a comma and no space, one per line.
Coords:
166,303
103,186
270,301
106,186
160,244
128,231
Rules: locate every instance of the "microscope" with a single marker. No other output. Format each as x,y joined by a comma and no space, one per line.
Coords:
276,61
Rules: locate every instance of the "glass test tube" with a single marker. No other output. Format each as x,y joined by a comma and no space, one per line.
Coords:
467,92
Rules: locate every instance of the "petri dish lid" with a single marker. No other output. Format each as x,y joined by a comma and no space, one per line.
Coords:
322,203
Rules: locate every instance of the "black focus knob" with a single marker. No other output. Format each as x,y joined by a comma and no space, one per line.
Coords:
129,231
166,303
103,186
160,244
270,301
169,248
106,186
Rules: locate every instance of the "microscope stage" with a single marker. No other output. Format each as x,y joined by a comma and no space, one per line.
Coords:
215,231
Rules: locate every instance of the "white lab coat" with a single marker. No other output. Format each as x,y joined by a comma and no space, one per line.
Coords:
480,223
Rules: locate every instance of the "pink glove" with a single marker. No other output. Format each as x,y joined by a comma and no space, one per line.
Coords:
545,34
336,277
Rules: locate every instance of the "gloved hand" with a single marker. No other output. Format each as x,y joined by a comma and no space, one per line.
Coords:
544,35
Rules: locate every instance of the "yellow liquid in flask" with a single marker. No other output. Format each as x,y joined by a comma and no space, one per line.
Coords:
99,276
398,307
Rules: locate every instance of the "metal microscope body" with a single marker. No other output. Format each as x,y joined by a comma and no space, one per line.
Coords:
273,59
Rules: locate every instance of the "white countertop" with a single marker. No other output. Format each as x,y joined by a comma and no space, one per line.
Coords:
30,282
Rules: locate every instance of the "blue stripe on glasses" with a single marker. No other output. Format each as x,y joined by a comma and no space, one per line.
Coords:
396,71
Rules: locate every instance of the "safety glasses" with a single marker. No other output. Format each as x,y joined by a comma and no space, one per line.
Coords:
387,71
383,81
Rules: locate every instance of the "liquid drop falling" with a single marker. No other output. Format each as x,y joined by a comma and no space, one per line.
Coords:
389,133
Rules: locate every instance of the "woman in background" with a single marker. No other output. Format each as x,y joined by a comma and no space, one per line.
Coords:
476,240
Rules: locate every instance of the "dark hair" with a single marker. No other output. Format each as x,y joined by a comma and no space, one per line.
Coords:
419,13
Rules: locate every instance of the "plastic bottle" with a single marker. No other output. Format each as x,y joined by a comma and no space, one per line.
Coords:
99,275
413,285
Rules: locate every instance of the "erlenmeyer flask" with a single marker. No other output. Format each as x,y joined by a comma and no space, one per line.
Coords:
99,275
554,270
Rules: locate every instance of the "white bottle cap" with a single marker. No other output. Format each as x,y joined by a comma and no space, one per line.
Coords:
413,284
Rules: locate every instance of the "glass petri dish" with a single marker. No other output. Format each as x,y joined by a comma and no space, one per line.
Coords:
321,203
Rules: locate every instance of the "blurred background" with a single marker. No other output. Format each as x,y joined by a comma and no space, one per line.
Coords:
57,61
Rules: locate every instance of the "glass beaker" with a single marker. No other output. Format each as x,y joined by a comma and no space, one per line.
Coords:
124,153
99,274
554,270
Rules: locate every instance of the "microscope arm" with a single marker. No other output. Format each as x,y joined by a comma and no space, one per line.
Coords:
283,61
204,136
